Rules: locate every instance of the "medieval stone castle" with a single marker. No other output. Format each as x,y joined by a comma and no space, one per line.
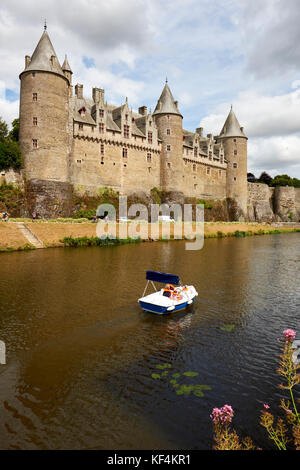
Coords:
71,141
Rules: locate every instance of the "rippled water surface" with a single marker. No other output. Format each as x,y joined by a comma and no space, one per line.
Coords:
80,353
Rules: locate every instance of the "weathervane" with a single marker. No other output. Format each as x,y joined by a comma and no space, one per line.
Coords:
45,25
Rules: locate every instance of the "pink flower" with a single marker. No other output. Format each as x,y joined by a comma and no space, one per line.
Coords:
289,335
266,407
222,415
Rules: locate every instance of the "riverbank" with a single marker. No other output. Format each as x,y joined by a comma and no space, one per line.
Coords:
22,234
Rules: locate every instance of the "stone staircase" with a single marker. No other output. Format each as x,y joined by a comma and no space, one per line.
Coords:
30,236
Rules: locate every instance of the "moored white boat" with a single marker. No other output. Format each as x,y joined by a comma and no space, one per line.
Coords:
172,298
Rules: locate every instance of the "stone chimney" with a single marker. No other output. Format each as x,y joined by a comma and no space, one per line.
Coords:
209,136
27,60
98,95
143,110
199,131
79,91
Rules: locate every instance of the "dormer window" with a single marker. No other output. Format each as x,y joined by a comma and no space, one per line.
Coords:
196,152
34,96
101,113
126,117
150,123
101,127
80,127
34,121
168,131
150,137
82,111
132,120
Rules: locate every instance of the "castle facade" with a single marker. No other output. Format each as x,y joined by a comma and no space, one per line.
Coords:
71,141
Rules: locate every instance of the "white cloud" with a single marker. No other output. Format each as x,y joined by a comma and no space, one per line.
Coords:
8,110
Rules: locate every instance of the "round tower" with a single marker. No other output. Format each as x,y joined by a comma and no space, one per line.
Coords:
169,125
235,150
44,133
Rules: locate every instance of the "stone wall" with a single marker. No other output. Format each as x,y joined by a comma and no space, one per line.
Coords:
12,176
266,204
49,199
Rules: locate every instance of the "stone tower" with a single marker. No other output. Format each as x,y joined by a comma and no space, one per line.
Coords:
169,124
44,132
235,149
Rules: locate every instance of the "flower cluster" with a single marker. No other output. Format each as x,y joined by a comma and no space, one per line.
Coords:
222,415
289,335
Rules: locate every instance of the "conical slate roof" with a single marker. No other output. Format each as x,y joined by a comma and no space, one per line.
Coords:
41,58
66,65
232,127
166,103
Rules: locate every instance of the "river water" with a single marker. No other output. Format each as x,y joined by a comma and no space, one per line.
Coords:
81,354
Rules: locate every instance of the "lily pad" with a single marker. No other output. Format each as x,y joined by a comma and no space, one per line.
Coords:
227,327
164,373
190,374
176,375
163,366
155,376
180,392
202,387
198,393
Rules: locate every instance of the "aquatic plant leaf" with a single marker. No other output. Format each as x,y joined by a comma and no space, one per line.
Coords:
202,387
164,373
190,374
176,375
179,392
198,393
227,327
163,366
155,376
173,382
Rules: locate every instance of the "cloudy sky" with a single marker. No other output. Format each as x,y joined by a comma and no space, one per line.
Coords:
214,52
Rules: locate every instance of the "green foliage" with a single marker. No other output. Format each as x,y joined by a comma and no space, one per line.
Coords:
85,214
227,327
207,205
285,180
155,195
95,241
10,155
3,129
14,133
265,178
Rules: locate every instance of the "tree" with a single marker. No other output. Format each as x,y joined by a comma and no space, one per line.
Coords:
265,178
14,133
10,155
285,180
251,178
3,129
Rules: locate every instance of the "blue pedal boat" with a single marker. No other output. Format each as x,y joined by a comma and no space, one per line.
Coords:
172,298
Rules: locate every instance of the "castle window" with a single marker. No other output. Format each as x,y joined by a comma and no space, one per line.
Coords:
101,113
208,171
150,137
124,153
149,157
82,111
168,165
34,121
150,123
126,131
220,173
78,161
234,140
80,127
125,165
196,152
235,165
34,143
33,74
101,127
102,161
168,148
132,120
234,179
126,117
168,131
149,169
102,149
195,186
221,159
210,155
194,168
235,152
34,96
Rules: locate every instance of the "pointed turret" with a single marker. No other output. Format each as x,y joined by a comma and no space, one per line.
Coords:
166,103
232,127
66,66
44,58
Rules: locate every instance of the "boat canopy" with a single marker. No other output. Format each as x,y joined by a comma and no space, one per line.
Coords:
162,277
